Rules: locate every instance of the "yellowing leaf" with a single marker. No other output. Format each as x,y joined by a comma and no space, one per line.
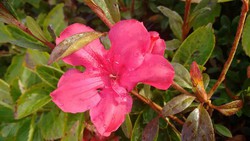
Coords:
230,108
73,44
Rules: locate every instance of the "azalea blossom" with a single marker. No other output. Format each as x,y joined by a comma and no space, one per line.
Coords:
135,56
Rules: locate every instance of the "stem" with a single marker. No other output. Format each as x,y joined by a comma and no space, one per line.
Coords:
155,106
185,26
132,7
227,64
98,12
179,88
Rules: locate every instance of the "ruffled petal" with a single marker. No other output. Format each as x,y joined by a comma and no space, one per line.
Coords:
90,55
110,112
77,91
155,70
158,45
129,42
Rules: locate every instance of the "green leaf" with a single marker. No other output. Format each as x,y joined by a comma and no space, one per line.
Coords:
35,28
150,132
127,126
15,69
246,36
5,97
28,78
32,100
201,16
4,34
198,126
221,129
34,58
34,3
109,7
23,131
177,104
173,44
7,114
55,18
175,21
182,76
22,39
74,127
52,125
137,130
72,44
196,47
49,75
32,128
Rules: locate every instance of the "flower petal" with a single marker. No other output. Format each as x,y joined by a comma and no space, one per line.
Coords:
90,55
158,45
130,40
110,112
77,92
155,70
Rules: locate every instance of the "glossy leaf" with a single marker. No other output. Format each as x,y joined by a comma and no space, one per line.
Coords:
177,104
137,129
182,76
49,75
32,100
150,132
5,97
35,28
175,21
72,44
127,127
55,18
198,126
230,108
246,36
196,47
223,130
15,69
51,125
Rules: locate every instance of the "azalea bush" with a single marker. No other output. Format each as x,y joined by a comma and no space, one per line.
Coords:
124,70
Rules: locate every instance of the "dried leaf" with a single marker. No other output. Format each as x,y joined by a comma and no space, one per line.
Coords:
230,108
177,104
73,44
198,126
151,130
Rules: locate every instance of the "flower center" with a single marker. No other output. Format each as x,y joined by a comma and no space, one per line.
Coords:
112,76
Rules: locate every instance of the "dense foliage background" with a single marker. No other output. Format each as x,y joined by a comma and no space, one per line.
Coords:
26,110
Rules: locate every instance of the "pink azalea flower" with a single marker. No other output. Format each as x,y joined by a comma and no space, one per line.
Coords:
136,55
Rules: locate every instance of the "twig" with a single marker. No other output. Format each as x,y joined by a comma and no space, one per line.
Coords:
179,88
227,64
185,26
155,106
132,7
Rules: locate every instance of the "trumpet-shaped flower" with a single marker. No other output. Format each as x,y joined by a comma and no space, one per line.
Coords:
135,56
